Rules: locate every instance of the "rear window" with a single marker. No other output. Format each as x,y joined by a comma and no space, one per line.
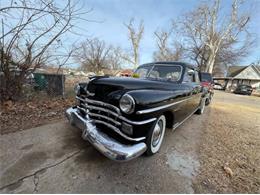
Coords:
206,77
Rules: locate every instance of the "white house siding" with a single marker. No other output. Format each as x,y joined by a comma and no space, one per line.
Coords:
248,76
248,73
255,84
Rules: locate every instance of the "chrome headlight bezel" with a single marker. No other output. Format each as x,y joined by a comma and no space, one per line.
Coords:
77,89
127,104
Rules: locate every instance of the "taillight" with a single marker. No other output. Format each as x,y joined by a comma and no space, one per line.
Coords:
205,84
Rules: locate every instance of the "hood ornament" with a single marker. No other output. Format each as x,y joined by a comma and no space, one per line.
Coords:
89,93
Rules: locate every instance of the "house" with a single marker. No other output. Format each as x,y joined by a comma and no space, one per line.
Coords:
126,73
240,75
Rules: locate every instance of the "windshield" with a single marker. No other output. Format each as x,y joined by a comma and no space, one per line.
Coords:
159,72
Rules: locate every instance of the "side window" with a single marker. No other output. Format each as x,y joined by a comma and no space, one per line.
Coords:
142,71
188,78
154,74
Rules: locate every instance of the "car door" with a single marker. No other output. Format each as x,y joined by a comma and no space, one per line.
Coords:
193,82
188,83
197,91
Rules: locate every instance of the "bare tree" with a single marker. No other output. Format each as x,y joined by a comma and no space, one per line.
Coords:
162,41
135,36
212,39
31,36
164,51
93,55
114,59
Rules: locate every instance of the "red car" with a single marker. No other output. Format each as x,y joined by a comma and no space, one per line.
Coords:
207,82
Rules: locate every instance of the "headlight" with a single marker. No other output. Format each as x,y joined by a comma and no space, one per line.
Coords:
127,104
77,89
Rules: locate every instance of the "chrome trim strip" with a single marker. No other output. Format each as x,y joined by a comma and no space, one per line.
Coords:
100,104
118,131
107,118
99,115
89,93
121,117
116,114
137,122
113,127
161,107
105,144
101,109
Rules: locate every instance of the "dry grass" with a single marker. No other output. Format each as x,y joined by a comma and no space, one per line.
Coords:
231,140
16,116
36,108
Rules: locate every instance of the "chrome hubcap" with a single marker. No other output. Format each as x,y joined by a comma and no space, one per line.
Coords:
203,106
157,133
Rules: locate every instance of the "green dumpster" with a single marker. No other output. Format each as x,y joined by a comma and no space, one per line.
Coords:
40,80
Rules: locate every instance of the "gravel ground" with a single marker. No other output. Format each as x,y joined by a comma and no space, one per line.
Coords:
229,152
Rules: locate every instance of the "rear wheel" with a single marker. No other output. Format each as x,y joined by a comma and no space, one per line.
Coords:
155,136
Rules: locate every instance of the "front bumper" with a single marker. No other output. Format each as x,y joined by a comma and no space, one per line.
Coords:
102,142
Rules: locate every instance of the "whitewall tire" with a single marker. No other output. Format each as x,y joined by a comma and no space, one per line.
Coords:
155,136
201,107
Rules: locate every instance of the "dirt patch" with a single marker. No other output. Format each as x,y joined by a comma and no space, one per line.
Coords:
186,165
28,114
229,153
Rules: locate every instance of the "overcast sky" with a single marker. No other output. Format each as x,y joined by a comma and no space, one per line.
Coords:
111,14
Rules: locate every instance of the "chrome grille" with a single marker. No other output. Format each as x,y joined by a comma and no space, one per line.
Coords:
109,115
101,111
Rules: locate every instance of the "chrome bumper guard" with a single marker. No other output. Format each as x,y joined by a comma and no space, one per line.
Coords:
102,142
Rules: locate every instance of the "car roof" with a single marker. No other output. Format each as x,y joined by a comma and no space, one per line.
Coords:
171,63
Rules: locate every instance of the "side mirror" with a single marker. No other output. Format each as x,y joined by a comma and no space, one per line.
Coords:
191,72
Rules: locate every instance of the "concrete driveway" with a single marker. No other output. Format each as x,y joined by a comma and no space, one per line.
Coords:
54,159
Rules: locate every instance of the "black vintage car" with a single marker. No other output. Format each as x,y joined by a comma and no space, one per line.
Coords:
126,117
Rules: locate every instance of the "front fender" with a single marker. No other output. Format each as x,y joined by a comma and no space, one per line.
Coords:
152,97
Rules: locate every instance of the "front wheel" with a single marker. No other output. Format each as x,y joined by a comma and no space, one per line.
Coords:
208,100
201,107
155,136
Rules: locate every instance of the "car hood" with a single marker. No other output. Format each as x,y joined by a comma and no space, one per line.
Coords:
132,83
111,89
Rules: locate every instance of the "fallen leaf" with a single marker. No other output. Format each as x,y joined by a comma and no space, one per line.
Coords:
31,106
228,171
51,114
8,104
